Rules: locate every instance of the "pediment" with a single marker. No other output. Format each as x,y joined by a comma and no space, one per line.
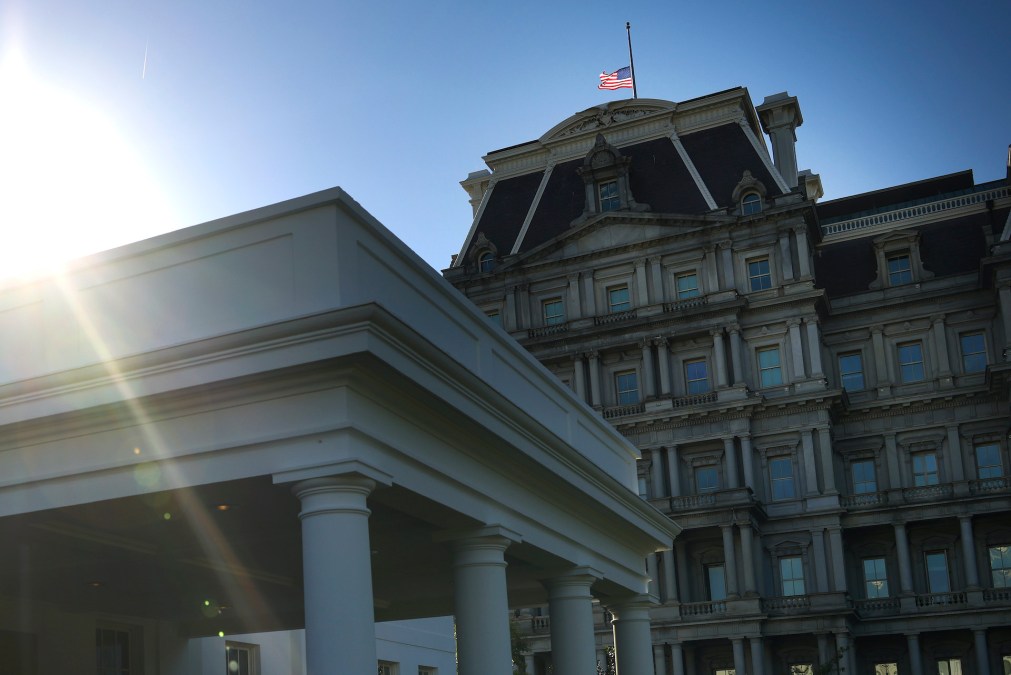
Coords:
599,118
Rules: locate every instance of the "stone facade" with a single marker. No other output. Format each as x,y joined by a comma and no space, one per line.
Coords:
819,390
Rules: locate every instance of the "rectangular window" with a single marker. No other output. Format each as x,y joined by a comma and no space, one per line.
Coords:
949,667
769,372
973,352
707,479
240,659
724,671
925,469
427,670
988,462
112,651
1000,566
388,668
781,476
716,582
875,578
886,669
937,572
759,276
911,362
864,480
899,270
495,318
609,199
626,387
851,371
687,285
553,311
696,377
792,571
618,299
801,668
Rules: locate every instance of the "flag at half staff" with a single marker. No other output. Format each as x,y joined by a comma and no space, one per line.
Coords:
619,79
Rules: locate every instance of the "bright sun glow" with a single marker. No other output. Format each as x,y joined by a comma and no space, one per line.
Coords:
69,183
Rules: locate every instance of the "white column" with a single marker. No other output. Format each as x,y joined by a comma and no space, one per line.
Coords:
814,346
511,319
674,470
646,347
589,296
905,565
757,655
838,559
481,606
659,660
653,574
730,561
681,556
848,650
880,359
820,563
663,356
955,467
941,347
824,656
656,473
595,379
580,375
735,353
728,263
810,468
730,453
803,251
528,659
748,462
710,263
633,645
1005,311
892,458
720,357
785,255
640,283
523,305
915,657
572,304
340,635
740,665
796,349
982,652
669,577
570,606
969,552
677,658
827,460
748,559
656,277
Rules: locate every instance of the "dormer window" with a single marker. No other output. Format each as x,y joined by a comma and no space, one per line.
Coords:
751,204
486,261
900,271
898,260
608,196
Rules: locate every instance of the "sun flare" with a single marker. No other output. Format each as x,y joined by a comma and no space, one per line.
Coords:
70,184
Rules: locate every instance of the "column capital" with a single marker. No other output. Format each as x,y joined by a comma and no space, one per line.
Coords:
593,354
573,277
733,328
574,582
491,533
660,341
937,318
716,332
793,322
724,244
631,607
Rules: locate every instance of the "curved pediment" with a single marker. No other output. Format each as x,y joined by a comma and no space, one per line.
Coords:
600,117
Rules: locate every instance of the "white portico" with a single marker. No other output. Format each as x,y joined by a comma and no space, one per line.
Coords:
284,419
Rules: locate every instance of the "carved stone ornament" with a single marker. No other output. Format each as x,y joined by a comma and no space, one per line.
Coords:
480,246
748,183
597,118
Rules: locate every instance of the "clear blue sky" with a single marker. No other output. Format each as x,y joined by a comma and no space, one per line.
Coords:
228,105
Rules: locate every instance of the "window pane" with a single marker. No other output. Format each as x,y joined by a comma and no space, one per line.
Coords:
851,371
864,480
937,572
886,669
899,270
617,299
781,473
716,581
949,667
925,469
769,371
696,377
707,479
751,203
687,285
759,277
626,385
553,311
875,578
609,200
911,362
973,353
1000,566
792,571
988,462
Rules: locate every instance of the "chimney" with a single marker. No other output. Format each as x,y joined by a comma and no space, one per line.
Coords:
476,184
780,116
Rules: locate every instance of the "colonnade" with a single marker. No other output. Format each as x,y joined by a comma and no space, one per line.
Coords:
339,604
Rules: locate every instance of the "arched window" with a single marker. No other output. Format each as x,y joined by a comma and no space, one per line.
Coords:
486,261
751,203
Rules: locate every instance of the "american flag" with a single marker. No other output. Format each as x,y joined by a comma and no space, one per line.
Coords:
619,79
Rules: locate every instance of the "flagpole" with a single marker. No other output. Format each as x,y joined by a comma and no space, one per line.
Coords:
631,63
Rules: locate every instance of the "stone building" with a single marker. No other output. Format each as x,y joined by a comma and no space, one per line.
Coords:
819,390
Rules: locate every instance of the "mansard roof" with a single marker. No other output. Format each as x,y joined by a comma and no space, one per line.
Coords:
683,158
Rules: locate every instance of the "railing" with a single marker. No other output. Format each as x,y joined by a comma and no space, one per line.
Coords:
696,399
988,485
792,603
614,317
864,501
547,330
940,599
692,501
703,608
623,410
997,595
541,624
878,606
906,213
927,493
685,305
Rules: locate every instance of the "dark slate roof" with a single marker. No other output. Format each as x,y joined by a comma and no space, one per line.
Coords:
659,178
862,204
561,203
846,268
721,155
506,210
